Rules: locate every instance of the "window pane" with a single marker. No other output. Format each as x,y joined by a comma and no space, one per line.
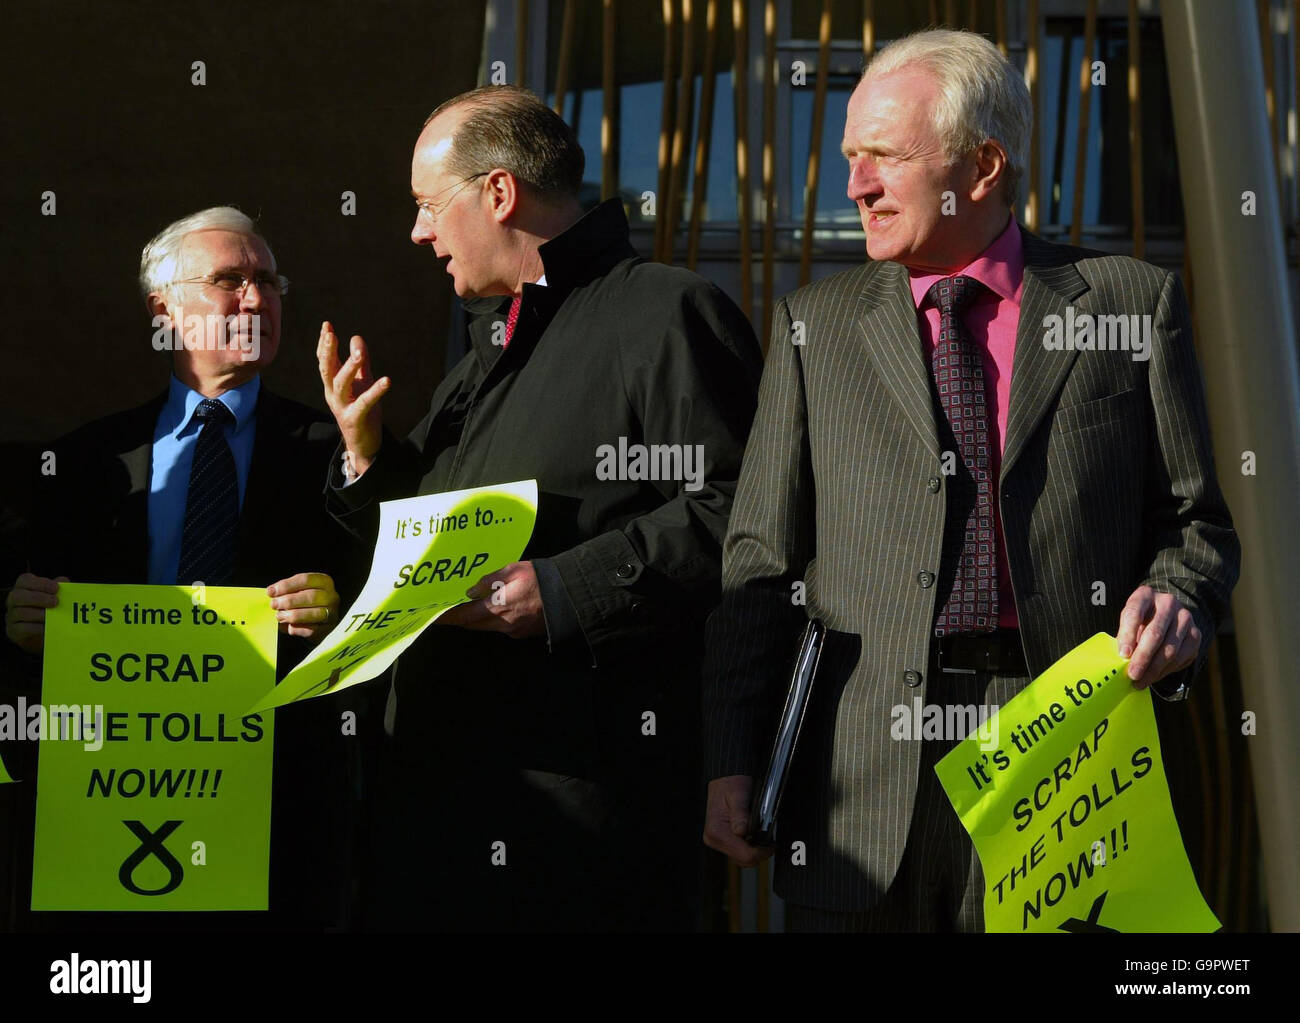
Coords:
1107,190
720,194
833,205
639,69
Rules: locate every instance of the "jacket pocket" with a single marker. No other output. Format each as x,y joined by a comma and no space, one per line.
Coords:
1111,408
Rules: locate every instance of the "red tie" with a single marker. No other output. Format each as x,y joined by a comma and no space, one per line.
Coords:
512,320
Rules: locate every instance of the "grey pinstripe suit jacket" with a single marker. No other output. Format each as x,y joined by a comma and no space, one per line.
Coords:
1107,475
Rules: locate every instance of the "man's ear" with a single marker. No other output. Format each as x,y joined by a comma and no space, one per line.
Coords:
503,193
990,170
157,305
167,328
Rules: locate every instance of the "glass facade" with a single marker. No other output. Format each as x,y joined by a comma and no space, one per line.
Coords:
1107,208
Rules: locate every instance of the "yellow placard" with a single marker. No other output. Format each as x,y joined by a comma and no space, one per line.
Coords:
154,780
430,550
1069,809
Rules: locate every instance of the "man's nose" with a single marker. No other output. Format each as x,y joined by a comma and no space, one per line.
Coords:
252,297
864,182
422,233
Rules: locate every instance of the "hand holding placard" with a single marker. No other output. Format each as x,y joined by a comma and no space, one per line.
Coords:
431,550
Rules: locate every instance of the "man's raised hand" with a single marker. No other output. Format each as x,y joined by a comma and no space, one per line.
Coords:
353,395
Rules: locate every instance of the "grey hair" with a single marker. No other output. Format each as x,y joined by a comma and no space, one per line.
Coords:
159,259
511,128
981,96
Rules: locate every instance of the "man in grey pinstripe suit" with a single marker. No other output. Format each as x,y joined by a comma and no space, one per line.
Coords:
957,523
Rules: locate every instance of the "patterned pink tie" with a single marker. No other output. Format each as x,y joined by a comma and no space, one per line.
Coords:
969,541
511,320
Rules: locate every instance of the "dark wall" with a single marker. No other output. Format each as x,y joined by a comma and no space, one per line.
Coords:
304,100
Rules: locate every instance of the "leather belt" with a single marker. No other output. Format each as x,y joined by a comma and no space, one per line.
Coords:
998,651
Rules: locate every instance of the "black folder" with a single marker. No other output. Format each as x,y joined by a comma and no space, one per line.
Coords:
767,801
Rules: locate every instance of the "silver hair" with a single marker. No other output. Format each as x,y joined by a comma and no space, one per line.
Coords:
160,258
981,96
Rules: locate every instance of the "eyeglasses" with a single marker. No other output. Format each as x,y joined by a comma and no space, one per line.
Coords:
238,281
433,210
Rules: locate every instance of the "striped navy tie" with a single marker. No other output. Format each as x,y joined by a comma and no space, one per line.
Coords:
212,505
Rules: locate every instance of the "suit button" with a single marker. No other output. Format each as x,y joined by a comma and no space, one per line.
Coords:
625,571
912,678
925,580
934,484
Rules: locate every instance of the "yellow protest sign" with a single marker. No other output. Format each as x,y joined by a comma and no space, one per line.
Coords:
154,782
1069,807
430,550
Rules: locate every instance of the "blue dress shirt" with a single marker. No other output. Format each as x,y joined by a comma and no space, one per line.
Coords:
174,438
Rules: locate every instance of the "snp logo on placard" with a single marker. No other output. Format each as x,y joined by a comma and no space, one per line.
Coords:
102,977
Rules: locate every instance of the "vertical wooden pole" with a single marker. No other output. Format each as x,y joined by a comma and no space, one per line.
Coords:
609,89
1135,130
665,130
1266,35
1264,8
740,78
815,143
564,63
1295,105
1081,144
682,131
521,43
1031,80
769,164
704,137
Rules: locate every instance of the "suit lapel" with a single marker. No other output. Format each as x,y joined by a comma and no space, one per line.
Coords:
1052,282
131,514
889,330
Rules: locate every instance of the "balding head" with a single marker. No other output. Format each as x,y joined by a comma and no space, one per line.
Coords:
509,127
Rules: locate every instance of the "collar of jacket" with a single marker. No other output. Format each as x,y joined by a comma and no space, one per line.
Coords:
591,247
586,250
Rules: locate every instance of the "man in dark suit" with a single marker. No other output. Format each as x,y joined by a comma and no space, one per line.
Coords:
545,761
217,480
965,493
